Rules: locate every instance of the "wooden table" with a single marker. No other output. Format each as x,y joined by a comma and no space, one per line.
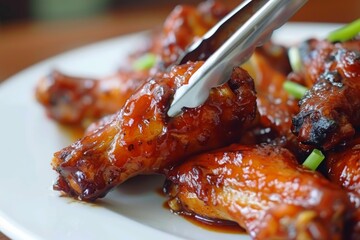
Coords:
25,43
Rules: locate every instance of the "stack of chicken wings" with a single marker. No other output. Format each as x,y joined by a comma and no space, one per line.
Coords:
237,157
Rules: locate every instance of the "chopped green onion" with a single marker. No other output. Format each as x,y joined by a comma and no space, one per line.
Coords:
294,89
345,33
144,62
295,59
314,159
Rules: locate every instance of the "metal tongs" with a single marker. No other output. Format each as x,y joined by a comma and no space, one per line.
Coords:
232,41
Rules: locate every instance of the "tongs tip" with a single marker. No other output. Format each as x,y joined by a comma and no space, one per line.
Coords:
256,20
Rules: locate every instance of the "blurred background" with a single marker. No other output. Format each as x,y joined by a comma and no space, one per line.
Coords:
33,30
14,10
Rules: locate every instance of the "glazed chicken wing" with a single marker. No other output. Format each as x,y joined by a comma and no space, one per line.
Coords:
73,100
269,66
142,139
329,112
343,166
276,106
263,189
184,25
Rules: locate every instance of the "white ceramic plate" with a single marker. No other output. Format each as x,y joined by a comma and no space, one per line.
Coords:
30,209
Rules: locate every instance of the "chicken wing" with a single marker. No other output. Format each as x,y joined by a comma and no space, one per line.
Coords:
184,25
142,139
269,66
317,56
263,189
73,100
329,111
275,105
343,166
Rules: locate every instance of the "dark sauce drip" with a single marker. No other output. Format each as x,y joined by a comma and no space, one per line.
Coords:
161,192
214,225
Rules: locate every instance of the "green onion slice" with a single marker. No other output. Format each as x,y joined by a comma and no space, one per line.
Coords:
295,59
294,89
314,159
144,62
345,33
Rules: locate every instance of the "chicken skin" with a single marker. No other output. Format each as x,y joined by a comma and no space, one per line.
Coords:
329,110
142,139
263,189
